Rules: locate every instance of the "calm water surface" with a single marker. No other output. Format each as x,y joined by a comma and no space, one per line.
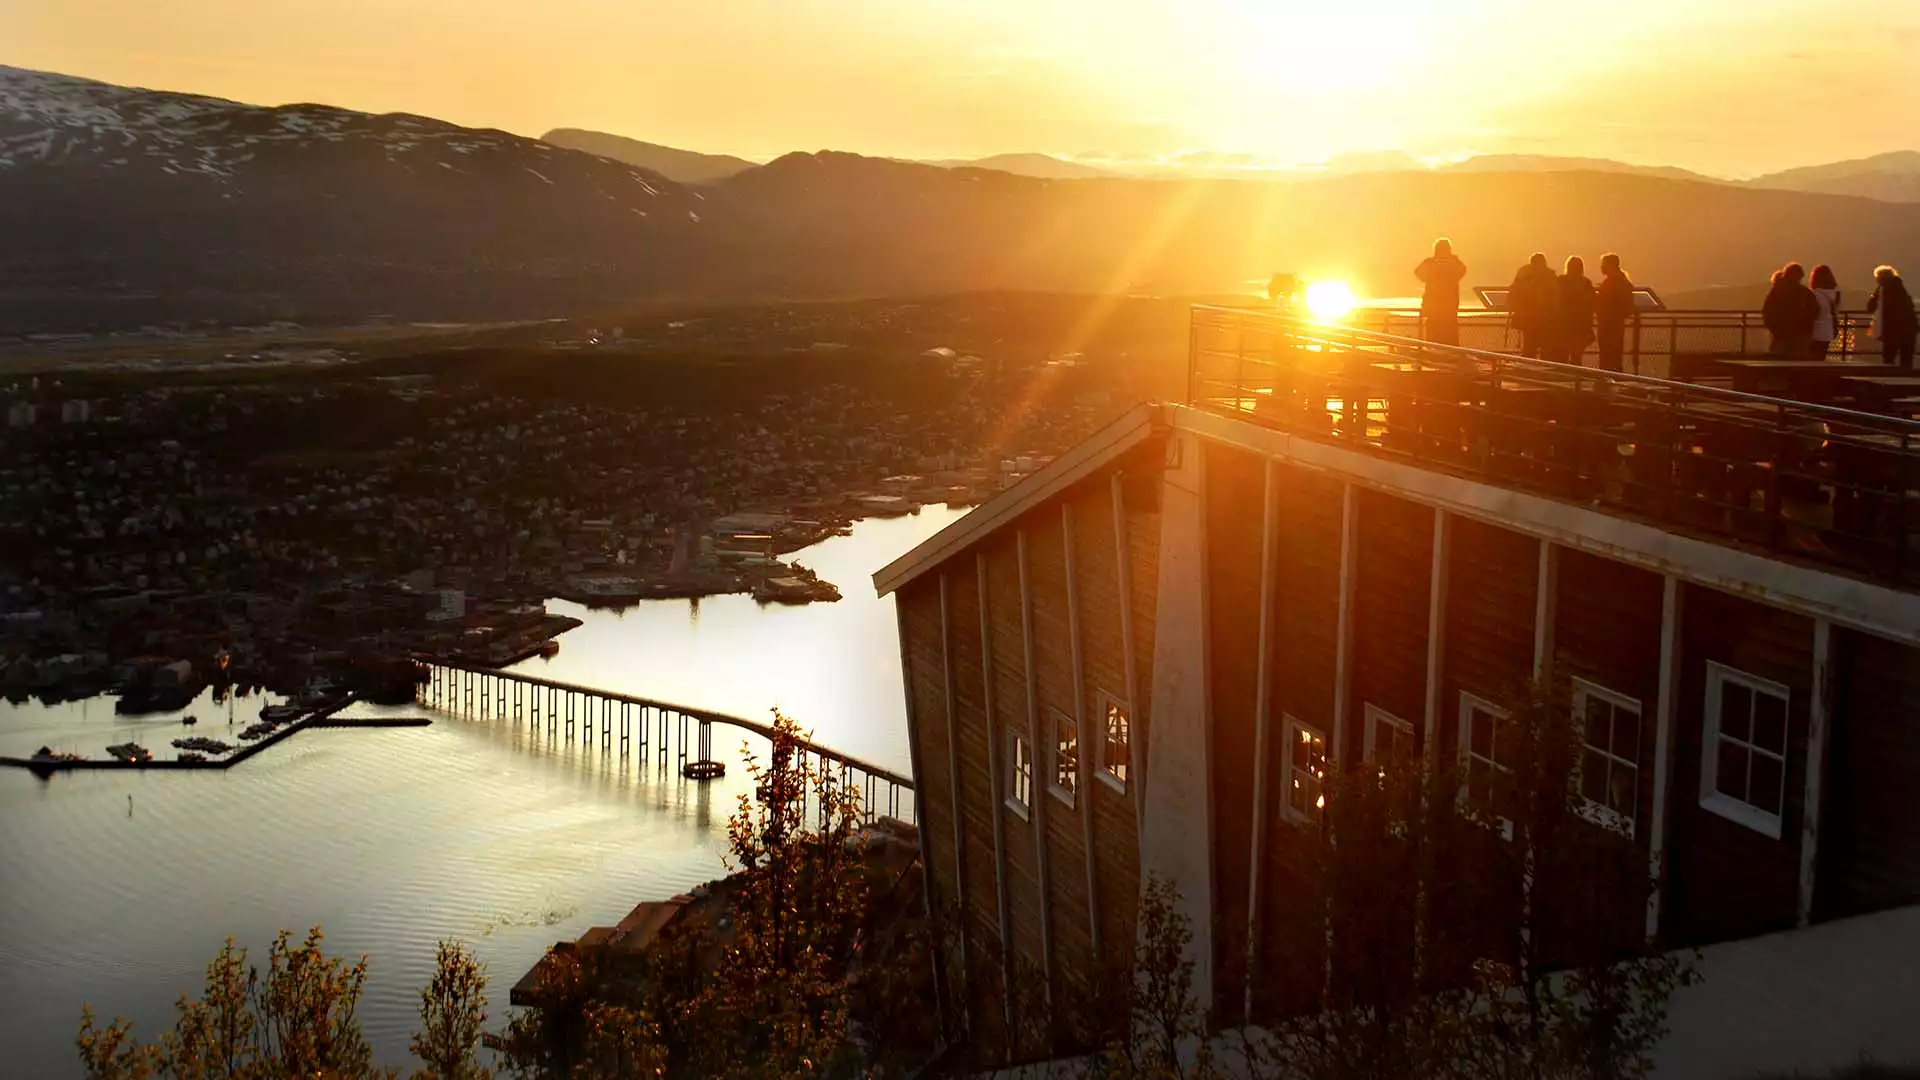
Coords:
393,839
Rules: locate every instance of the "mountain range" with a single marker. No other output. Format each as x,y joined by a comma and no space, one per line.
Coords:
127,207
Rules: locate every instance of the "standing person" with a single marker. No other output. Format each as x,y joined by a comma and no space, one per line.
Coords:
1790,311
1573,313
1826,325
1440,303
1612,307
1893,319
1530,304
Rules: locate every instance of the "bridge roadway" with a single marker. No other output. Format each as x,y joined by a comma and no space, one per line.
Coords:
661,727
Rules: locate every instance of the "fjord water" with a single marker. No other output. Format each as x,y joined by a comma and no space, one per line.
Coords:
485,831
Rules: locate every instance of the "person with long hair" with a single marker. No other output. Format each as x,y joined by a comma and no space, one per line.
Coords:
1573,313
1893,319
1826,325
1789,312
1440,302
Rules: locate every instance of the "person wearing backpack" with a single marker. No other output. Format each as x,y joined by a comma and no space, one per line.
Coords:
1893,319
1530,304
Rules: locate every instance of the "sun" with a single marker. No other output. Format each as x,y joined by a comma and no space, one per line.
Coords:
1329,301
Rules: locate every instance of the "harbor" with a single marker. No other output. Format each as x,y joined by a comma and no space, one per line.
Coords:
193,755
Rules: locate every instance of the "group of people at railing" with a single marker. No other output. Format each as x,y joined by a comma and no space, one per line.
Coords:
1803,315
1559,316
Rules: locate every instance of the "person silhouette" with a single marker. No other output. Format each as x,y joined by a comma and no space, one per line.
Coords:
1790,312
1530,304
1573,314
1894,323
1612,308
1440,302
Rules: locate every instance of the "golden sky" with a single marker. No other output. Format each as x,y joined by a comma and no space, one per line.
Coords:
1731,87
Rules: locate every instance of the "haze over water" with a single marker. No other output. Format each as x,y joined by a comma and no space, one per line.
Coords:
393,839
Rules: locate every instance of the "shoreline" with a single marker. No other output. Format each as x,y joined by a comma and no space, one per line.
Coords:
320,718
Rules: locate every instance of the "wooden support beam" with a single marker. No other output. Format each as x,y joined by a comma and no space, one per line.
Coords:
1343,626
953,778
1262,722
1546,607
1037,805
997,789
1664,710
1136,709
1436,640
1819,735
941,1003
1089,744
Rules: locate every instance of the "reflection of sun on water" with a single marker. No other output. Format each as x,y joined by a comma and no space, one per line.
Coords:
1329,301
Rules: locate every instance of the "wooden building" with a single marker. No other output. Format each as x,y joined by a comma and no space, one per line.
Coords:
1139,659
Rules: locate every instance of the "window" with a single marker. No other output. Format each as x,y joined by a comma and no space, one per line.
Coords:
1389,740
1743,751
1066,757
1306,770
1113,759
1020,795
1609,776
1487,752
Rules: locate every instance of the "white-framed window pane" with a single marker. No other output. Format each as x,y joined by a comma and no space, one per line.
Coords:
1119,735
1066,752
1593,775
1732,779
1623,789
1626,733
1022,770
1765,782
1770,724
1736,712
1306,769
1744,767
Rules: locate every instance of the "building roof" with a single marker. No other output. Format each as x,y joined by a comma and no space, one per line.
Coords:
1093,454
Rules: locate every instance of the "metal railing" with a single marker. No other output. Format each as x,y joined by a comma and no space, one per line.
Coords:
1665,344
1830,485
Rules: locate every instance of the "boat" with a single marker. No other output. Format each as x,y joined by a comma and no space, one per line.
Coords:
279,714
130,752
190,756
190,719
549,647
48,753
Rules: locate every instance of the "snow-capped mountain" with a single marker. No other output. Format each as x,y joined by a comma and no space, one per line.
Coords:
109,191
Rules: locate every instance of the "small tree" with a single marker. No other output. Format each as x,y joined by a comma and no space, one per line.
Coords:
453,1014
777,1001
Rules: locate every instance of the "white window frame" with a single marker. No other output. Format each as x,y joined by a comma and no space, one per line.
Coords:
1066,794
1288,769
1599,813
1020,768
1469,703
1377,718
1107,703
1712,798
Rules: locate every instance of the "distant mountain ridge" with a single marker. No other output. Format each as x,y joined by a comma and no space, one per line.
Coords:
121,206
683,166
159,203
1893,177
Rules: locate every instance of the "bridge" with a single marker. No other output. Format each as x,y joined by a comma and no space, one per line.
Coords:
647,733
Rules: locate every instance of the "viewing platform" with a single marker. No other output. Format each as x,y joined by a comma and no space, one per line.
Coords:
1815,461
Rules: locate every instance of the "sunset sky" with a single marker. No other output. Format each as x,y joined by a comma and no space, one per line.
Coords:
1731,87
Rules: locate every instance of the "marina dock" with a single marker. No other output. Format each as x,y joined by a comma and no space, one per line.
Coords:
322,716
